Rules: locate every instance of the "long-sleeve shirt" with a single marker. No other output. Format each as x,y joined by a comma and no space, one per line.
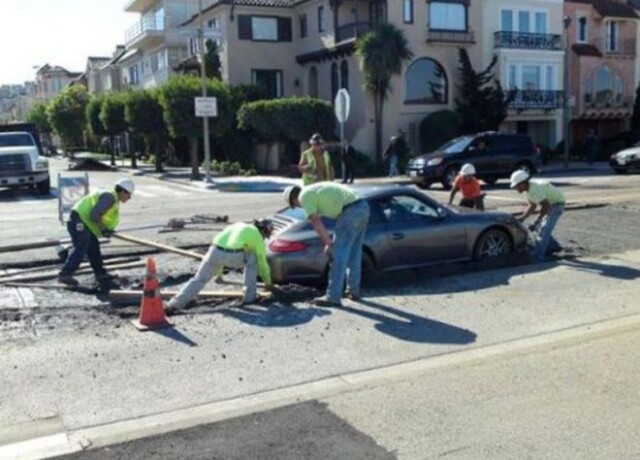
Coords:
104,203
248,238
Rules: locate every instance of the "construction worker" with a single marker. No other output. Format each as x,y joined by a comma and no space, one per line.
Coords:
343,204
466,182
315,163
551,201
95,216
239,245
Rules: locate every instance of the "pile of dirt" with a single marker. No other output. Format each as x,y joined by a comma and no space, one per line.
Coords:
88,164
292,293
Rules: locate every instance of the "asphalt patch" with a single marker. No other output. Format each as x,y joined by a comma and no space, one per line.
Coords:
303,431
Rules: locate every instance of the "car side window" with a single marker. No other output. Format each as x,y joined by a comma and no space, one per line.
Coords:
404,208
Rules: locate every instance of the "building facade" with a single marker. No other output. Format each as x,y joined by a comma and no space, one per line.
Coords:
603,65
51,80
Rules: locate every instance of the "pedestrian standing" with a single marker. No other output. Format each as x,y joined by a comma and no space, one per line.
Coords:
95,216
348,162
469,185
342,203
591,146
239,245
315,163
392,155
551,201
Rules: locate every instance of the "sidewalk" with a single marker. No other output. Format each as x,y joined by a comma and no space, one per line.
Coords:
273,183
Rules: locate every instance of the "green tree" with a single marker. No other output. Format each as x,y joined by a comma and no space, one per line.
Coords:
482,105
177,100
213,65
38,116
94,107
382,52
67,115
143,113
113,120
635,117
437,128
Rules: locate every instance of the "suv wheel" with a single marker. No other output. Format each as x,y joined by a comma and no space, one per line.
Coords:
449,177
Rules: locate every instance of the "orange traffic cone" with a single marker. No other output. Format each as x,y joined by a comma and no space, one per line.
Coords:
152,307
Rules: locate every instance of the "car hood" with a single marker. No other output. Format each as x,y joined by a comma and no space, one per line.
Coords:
19,150
626,153
429,156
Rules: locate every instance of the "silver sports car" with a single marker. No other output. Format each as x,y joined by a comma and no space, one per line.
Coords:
406,230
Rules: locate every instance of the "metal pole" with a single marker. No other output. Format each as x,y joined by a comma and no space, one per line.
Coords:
203,79
567,93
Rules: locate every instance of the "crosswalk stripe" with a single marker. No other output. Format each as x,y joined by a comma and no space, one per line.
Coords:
164,190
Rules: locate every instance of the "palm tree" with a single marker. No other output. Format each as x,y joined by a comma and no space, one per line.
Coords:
382,52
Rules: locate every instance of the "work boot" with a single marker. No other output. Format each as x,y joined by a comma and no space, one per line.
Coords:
355,297
68,280
325,301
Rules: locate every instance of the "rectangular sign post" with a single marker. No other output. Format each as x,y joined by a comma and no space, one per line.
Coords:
206,107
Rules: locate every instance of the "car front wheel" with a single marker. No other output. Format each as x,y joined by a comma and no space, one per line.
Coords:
492,244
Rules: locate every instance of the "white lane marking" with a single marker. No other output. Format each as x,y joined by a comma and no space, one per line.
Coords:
164,190
162,423
144,194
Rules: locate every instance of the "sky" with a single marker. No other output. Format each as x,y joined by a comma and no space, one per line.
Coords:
57,32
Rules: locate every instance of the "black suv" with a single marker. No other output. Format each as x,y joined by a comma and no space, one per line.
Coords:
494,155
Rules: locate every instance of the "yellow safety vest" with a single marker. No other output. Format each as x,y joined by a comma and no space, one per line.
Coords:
311,177
110,219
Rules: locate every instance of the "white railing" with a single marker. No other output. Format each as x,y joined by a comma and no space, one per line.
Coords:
146,24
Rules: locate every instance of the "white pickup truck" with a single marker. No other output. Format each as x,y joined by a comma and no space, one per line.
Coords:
21,162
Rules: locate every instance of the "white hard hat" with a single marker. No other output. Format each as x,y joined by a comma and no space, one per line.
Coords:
290,190
468,170
518,177
126,184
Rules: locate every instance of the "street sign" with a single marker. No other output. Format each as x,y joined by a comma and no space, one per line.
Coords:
206,107
342,105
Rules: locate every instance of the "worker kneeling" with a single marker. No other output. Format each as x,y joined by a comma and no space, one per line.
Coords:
240,245
469,185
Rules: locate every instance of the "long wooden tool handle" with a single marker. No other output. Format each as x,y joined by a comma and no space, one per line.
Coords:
153,244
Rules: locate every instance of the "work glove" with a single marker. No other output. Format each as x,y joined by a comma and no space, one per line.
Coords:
106,233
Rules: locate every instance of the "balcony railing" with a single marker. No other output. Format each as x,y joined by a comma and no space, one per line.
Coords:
523,99
622,48
352,30
526,40
146,24
450,36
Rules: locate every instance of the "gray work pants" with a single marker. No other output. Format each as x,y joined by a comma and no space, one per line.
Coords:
214,261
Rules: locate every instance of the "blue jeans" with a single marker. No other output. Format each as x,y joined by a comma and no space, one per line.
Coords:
349,232
545,238
393,166
85,243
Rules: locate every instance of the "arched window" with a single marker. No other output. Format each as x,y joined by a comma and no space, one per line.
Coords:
425,83
334,80
603,85
344,75
312,86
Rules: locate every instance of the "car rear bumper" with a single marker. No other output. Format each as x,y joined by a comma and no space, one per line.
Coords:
307,266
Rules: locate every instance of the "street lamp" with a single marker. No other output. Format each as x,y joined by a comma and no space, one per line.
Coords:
567,92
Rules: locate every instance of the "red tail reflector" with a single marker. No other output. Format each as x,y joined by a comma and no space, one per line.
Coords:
287,246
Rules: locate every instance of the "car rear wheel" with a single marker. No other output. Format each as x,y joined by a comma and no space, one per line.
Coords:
449,177
492,244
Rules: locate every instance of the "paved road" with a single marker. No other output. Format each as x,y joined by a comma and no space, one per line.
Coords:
80,364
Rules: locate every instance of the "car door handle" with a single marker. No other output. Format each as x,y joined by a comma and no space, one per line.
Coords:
397,236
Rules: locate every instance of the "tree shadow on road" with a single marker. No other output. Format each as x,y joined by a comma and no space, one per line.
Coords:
409,327
611,271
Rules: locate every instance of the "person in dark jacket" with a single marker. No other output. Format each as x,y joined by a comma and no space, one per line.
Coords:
348,162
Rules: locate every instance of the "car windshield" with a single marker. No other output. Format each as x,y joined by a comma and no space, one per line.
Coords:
456,145
16,140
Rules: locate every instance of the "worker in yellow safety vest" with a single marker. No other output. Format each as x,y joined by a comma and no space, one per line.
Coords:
95,216
315,163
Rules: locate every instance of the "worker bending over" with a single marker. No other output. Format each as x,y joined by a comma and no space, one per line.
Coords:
342,203
239,245
95,216
551,202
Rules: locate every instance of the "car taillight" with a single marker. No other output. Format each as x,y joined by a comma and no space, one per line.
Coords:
280,245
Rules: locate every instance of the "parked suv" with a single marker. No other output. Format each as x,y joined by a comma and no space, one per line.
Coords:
494,155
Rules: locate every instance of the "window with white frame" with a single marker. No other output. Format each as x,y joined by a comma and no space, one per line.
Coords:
532,77
581,30
524,21
407,11
321,19
447,16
